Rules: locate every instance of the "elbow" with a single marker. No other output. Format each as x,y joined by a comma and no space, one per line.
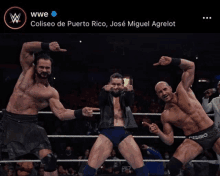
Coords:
193,65
24,46
60,116
170,142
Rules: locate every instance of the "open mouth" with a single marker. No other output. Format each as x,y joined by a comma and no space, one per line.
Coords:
165,96
44,74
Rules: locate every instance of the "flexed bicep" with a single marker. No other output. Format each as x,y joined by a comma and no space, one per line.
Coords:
188,75
56,106
27,54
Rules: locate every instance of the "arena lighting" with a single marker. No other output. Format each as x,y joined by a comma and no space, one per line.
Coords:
203,80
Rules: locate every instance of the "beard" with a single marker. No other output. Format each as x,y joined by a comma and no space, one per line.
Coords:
116,94
43,75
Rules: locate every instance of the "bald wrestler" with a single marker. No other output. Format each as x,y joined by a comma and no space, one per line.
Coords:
183,110
33,92
115,100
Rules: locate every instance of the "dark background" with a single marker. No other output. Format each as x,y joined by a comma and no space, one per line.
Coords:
100,55
85,68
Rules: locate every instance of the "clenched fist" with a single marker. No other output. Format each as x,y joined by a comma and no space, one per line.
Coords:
164,60
108,87
87,111
54,46
128,88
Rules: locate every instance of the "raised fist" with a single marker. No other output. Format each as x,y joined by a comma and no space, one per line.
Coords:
164,60
108,87
54,46
209,92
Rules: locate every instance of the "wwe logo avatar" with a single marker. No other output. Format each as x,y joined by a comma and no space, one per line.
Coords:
15,18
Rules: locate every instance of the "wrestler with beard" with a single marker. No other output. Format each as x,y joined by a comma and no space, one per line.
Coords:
19,131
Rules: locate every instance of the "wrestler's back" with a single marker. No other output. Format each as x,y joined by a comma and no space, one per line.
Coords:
28,97
187,113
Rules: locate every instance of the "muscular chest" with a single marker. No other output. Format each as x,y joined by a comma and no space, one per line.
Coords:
177,117
39,95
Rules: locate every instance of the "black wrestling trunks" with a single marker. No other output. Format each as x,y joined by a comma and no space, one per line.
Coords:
206,138
20,135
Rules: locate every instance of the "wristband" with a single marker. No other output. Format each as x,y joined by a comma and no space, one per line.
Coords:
78,113
45,46
175,61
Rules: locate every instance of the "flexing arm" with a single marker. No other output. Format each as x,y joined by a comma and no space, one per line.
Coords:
58,109
26,56
29,48
66,114
187,66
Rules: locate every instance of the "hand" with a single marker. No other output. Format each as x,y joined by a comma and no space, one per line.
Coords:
108,87
153,128
164,60
87,111
144,146
209,92
128,88
54,46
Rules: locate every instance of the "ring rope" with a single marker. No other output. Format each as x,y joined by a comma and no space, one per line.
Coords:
96,113
94,136
107,160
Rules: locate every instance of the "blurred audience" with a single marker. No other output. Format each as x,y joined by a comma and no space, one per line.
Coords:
82,164
115,165
69,154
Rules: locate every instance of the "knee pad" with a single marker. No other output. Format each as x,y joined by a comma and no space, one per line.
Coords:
174,166
50,163
142,171
89,171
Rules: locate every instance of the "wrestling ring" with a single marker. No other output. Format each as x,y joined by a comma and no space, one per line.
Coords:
95,136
